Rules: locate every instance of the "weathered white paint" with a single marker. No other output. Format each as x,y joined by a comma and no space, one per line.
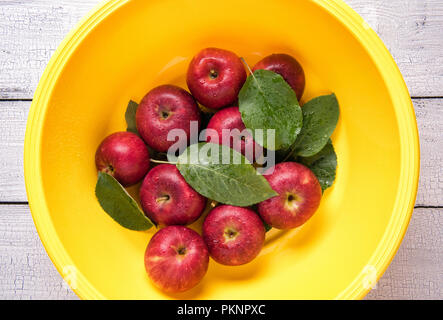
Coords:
30,31
412,30
13,117
416,271
27,272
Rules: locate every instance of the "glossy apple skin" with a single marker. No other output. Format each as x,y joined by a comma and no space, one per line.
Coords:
286,66
215,77
165,108
230,118
299,196
176,259
234,235
168,199
124,156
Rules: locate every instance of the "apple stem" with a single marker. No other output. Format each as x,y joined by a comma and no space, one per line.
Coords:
162,199
247,65
162,162
291,151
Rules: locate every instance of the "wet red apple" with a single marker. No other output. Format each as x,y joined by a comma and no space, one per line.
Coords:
299,196
229,121
165,108
215,77
234,235
124,156
286,66
176,259
168,199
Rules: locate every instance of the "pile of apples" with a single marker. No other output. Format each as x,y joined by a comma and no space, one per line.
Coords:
177,257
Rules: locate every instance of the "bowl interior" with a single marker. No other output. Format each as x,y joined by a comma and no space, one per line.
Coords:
147,43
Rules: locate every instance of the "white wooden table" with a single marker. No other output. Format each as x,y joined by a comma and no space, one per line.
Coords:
30,31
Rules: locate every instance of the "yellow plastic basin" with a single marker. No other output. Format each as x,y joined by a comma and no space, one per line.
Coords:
125,48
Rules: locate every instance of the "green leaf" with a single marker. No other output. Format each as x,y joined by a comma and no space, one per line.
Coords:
323,164
131,110
266,101
116,202
224,175
320,116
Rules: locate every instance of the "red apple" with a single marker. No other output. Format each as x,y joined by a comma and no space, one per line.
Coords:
124,156
215,77
176,259
165,108
230,119
299,196
234,235
286,66
168,199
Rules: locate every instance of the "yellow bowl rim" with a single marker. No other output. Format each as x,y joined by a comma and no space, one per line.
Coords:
410,151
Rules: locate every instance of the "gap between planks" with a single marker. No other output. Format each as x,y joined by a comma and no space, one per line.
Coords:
25,203
30,100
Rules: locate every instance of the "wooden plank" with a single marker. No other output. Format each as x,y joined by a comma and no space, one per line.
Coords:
13,115
429,117
429,113
27,272
30,31
412,31
416,271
